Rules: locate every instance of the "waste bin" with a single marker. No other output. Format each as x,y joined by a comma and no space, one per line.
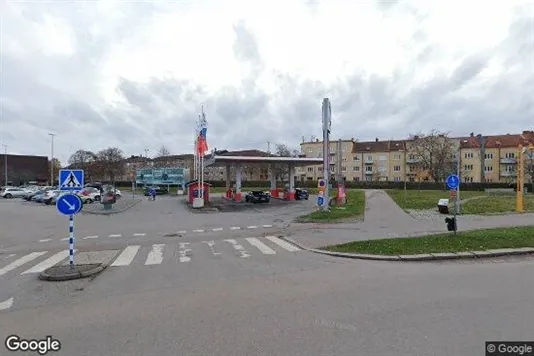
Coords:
451,224
443,206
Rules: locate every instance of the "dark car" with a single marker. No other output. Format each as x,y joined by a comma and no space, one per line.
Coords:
257,196
159,191
301,194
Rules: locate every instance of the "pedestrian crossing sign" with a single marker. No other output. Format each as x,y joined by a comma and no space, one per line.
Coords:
71,179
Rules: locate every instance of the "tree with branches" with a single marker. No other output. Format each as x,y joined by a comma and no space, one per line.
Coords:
110,163
85,160
435,154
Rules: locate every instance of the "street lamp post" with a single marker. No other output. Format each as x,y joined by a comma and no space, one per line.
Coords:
405,152
52,158
5,165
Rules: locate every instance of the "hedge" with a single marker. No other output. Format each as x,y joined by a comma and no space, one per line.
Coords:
363,185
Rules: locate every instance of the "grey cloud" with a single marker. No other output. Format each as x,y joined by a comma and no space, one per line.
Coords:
61,94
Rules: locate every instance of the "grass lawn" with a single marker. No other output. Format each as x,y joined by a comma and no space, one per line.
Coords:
354,208
425,199
476,240
496,204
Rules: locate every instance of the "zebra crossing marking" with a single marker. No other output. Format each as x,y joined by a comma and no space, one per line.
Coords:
183,250
266,250
49,262
155,256
127,256
238,248
21,261
283,244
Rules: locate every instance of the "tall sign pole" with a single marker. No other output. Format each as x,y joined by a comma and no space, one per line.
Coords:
327,122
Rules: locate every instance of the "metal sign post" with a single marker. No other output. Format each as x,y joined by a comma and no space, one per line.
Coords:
453,182
70,203
327,122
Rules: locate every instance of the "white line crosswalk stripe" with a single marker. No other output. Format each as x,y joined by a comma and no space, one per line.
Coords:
283,244
260,245
155,256
49,262
127,256
21,261
238,248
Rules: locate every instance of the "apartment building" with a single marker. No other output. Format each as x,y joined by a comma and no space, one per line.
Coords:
397,160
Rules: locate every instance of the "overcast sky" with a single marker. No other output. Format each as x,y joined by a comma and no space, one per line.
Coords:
134,75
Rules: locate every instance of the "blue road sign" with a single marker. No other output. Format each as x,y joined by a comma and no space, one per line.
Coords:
320,201
69,204
453,181
71,179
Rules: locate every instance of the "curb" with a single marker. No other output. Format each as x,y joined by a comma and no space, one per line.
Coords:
421,257
112,212
45,276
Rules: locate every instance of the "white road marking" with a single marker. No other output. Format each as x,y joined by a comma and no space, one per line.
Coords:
155,257
252,227
65,239
45,240
217,229
115,235
182,232
267,226
21,261
11,255
239,248
198,230
211,245
139,234
49,262
6,304
184,250
285,245
235,228
266,250
127,256
90,237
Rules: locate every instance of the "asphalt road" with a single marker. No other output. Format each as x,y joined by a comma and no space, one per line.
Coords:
25,224
292,303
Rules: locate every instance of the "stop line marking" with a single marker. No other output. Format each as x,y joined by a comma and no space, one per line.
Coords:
180,232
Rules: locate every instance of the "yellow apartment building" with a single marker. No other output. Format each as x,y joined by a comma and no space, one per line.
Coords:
395,160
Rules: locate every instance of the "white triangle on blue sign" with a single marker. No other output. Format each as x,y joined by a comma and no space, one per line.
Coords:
71,182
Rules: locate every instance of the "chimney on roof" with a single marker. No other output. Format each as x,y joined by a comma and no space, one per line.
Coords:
316,140
376,139
415,137
472,134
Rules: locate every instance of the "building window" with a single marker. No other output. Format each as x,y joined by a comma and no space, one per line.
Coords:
397,168
469,155
310,169
488,168
488,156
369,158
468,167
396,156
368,169
397,179
508,169
509,155
355,158
343,169
356,169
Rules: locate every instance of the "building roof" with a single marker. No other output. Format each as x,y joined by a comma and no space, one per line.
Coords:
500,141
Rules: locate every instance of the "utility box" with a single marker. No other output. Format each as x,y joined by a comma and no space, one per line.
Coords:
194,190
443,206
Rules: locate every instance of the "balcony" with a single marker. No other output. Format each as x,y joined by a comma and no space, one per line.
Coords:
369,172
412,160
508,161
508,173
369,161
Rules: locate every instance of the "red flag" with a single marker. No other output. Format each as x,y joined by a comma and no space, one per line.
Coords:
202,145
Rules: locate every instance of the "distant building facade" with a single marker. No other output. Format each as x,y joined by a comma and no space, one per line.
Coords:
23,169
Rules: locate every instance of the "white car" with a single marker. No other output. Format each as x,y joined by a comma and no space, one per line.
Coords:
11,192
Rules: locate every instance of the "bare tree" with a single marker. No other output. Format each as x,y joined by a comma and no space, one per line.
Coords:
110,163
283,150
85,160
435,154
163,152
56,164
529,167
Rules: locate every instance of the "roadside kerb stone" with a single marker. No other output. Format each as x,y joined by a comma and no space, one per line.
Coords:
65,273
418,257
119,207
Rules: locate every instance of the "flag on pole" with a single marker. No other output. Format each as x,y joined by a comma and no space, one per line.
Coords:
202,143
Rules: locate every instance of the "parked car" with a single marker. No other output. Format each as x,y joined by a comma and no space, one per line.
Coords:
301,194
30,195
11,192
257,196
91,194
